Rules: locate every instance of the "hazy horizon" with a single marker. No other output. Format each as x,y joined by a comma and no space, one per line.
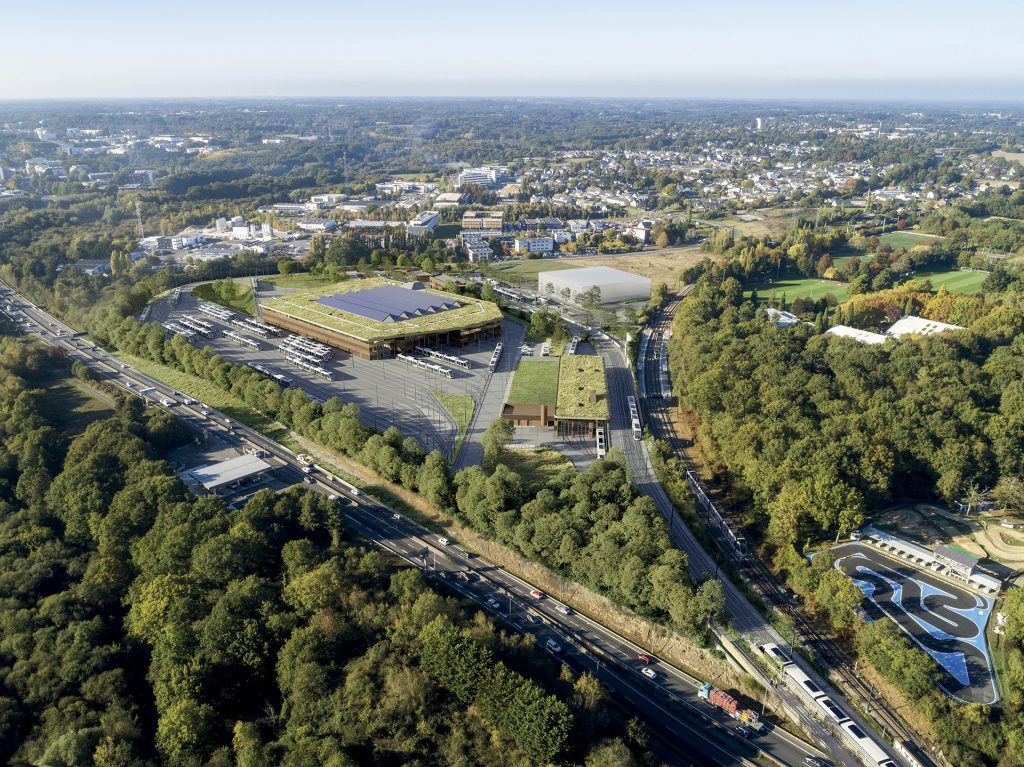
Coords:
398,49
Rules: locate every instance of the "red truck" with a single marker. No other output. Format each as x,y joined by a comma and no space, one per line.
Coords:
728,704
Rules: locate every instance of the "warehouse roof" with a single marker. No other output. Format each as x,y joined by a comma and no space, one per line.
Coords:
224,473
594,275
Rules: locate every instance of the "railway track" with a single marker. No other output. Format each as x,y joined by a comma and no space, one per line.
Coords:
752,569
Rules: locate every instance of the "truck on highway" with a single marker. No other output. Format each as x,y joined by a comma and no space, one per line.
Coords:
723,700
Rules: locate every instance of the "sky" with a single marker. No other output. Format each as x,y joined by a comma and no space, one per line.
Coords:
898,49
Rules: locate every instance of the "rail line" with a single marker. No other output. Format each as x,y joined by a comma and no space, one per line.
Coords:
751,568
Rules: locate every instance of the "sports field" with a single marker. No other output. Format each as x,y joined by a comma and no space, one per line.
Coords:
807,288
510,270
906,240
966,283
535,383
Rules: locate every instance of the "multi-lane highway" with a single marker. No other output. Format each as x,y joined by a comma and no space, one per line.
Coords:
691,732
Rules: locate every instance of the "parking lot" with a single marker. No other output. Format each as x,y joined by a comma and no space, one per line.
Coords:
389,392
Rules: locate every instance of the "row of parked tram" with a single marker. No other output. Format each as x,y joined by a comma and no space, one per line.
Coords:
800,681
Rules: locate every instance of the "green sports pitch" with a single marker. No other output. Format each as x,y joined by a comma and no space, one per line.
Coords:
966,283
807,288
906,240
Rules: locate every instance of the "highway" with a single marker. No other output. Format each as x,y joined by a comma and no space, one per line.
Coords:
692,732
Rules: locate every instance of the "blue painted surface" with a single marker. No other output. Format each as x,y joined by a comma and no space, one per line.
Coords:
954,663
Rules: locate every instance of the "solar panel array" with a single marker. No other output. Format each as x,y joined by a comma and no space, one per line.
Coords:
388,303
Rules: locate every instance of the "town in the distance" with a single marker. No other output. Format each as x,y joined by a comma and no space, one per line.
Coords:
511,432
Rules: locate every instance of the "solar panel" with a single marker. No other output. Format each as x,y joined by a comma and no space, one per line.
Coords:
388,303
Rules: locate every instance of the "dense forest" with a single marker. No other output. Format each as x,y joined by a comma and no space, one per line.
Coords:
143,626
810,433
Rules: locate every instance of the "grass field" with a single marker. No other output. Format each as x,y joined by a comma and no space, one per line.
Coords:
771,222
808,288
447,231
522,271
906,240
578,377
301,280
242,301
206,392
535,383
965,283
536,467
77,405
459,407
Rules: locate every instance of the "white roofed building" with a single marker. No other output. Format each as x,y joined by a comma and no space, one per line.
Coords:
227,475
615,286
864,336
912,325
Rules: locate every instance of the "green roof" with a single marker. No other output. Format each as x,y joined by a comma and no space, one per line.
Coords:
535,383
578,376
302,306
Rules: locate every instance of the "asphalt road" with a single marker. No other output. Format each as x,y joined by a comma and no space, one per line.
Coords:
693,733
936,621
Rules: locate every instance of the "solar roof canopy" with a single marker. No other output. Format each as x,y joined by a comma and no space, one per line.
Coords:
389,303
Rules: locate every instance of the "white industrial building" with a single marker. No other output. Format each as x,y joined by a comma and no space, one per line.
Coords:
424,223
615,285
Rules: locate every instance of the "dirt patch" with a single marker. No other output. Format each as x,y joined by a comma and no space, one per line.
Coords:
1011,156
933,526
663,265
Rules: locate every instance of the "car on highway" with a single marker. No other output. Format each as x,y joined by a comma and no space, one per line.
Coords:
553,646
816,761
443,541
743,732
465,554
645,659
564,609
649,672
492,602
531,618
537,594
396,515
462,576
